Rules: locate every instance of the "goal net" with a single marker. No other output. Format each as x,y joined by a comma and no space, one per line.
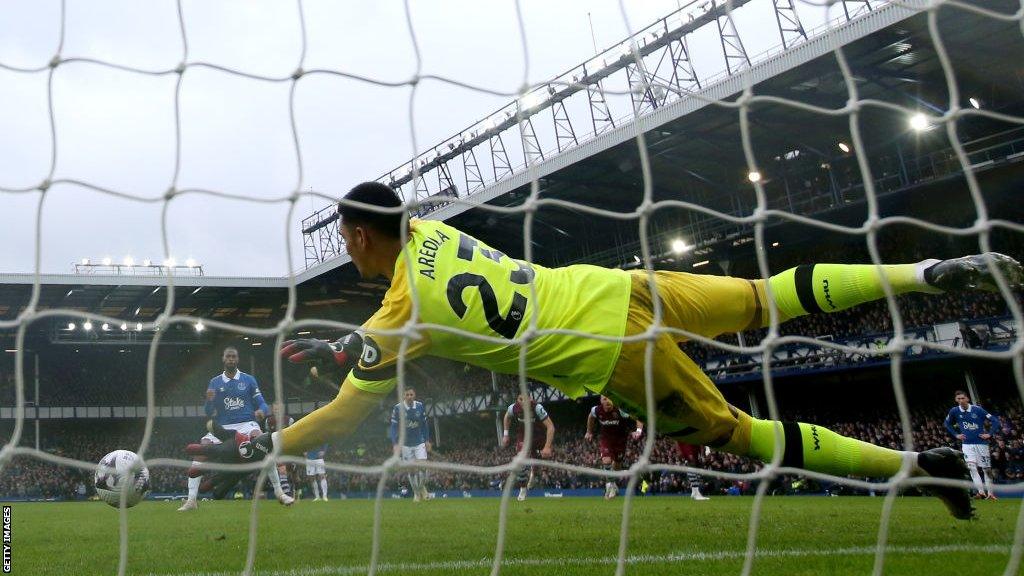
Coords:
702,58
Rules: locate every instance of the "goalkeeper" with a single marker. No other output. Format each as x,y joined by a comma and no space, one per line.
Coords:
460,283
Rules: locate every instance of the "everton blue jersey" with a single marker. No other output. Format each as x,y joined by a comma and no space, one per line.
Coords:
317,453
235,399
416,430
971,423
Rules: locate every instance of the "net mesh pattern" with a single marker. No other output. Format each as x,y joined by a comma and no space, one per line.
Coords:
757,219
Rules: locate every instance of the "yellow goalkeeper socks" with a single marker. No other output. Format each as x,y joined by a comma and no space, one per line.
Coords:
833,287
813,447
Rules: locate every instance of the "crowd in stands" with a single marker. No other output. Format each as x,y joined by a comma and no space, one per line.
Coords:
472,440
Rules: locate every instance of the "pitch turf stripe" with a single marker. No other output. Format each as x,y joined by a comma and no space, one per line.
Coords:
457,565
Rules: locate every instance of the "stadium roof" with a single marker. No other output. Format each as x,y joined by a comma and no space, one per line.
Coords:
695,147
696,155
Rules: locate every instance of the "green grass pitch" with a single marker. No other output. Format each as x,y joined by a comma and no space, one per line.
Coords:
798,535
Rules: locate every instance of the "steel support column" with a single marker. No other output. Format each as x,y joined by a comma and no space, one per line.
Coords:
790,28
471,170
499,158
565,136
531,146
858,7
599,112
736,57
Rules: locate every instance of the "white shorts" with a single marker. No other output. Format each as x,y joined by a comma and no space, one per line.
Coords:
417,452
243,427
315,467
977,454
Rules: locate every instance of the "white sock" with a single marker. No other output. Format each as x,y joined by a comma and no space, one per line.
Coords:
987,478
977,478
323,487
316,489
275,481
193,486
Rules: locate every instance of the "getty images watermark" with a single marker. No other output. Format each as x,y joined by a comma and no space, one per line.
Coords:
7,539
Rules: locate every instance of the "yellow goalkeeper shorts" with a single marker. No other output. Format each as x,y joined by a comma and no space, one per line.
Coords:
689,406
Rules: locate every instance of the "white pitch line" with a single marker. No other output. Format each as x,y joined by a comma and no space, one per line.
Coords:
459,565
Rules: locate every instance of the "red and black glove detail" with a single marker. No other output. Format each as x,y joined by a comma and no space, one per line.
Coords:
241,448
339,355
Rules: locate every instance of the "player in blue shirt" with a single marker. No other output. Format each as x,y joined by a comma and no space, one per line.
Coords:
417,439
233,402
966,422
316,471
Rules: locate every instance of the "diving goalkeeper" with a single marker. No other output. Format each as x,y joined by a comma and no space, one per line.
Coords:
461,283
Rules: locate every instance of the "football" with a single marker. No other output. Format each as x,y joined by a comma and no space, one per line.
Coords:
122,471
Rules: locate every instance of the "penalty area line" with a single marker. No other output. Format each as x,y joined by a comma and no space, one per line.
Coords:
459,565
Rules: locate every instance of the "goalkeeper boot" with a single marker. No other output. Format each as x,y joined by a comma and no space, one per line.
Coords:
948,463
972,273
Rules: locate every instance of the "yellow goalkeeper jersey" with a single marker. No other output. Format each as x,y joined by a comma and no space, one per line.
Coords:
461,284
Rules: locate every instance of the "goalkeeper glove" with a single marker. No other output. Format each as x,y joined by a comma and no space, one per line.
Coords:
338,355
239,448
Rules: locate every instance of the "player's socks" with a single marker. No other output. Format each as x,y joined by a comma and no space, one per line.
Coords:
286,486
813,447
976,477
323,488
193,486
986,476
832,287
316,490
275,481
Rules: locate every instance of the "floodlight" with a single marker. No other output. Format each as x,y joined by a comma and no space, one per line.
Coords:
919,122
679,246
754,176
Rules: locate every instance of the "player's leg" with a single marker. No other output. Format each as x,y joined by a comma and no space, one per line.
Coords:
286,485
526,481
195,478
691,409
420,454
323,482
971,457
274,474
609,463
983,463
713,305
408,453
989,480
311,478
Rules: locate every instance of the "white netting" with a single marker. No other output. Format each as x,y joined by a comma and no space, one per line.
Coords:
757,219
